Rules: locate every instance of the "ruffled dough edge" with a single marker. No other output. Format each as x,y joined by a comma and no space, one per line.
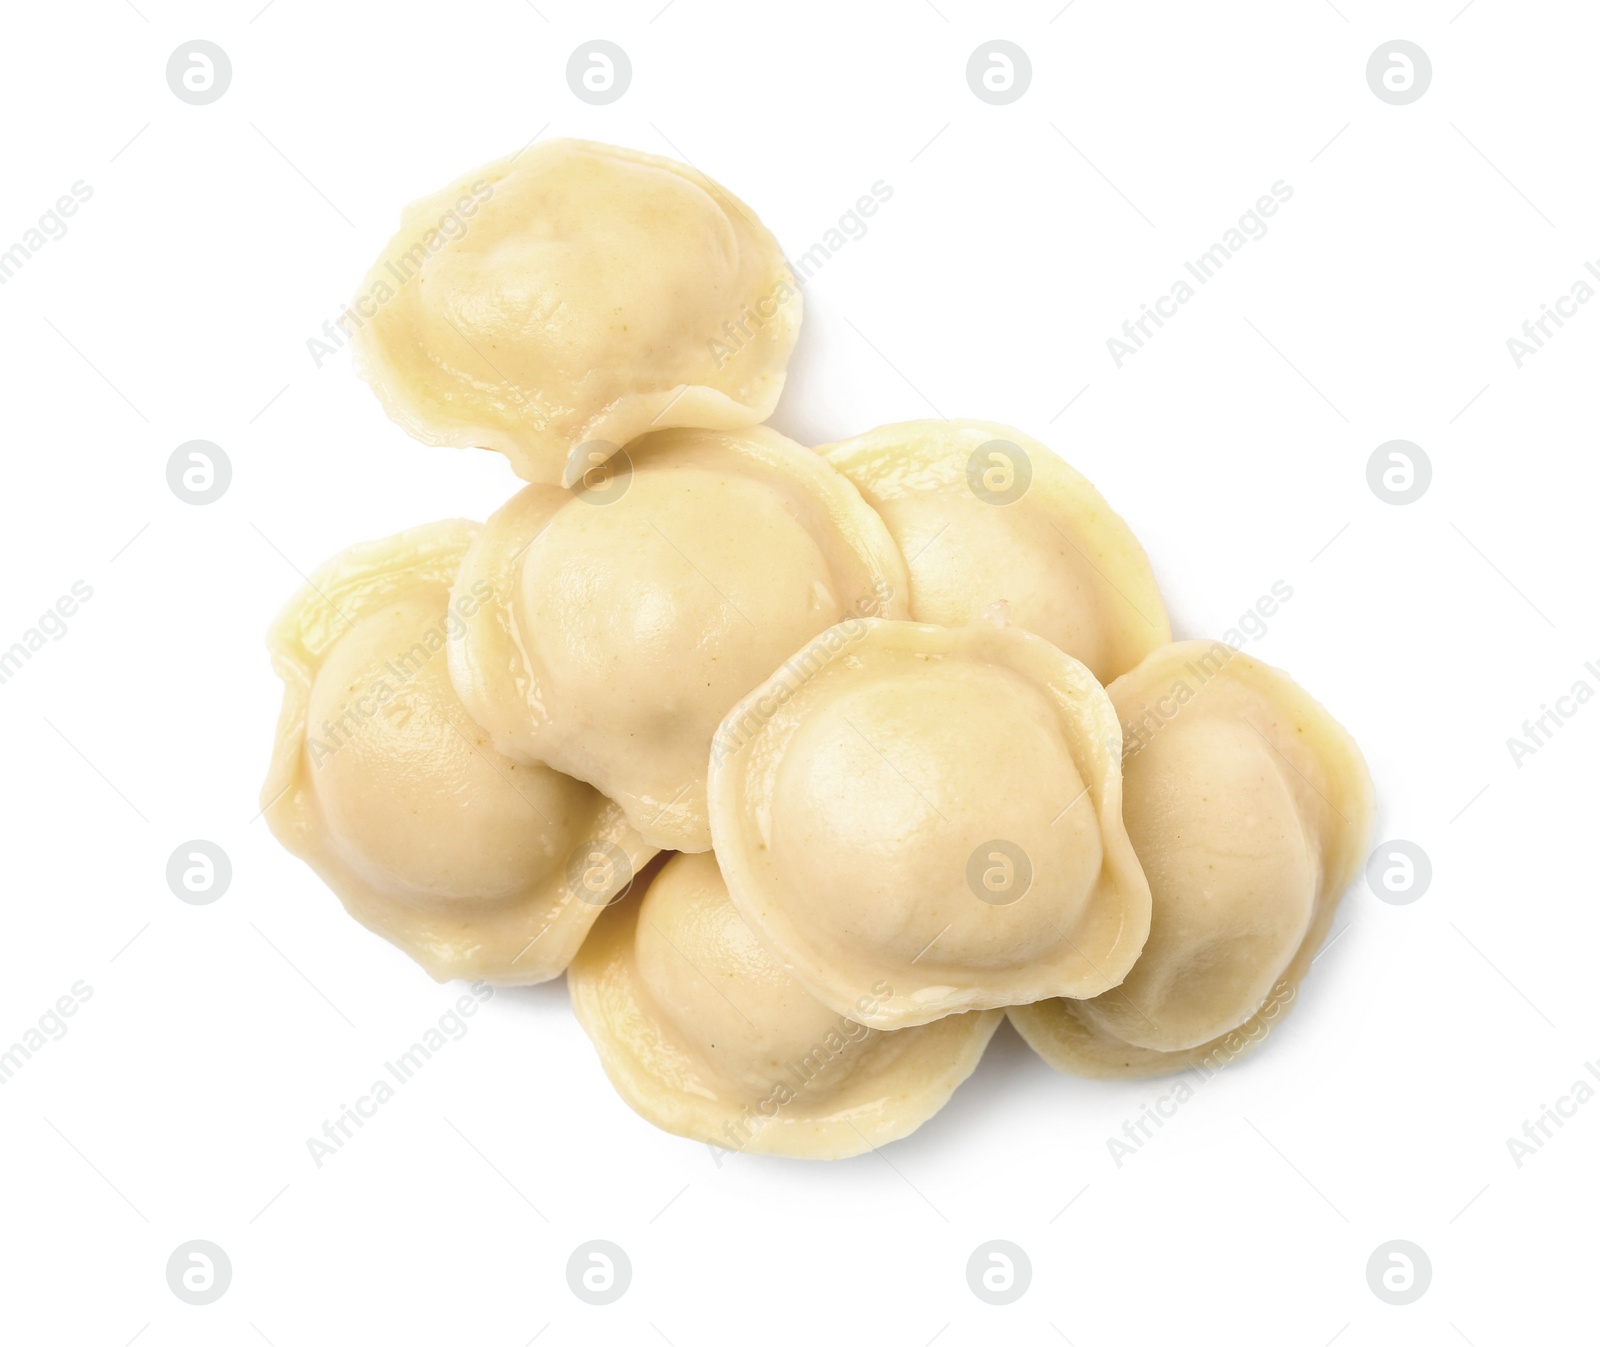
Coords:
447,944
534,455
1054,1030
907,1078
1062,680
500,689
897,460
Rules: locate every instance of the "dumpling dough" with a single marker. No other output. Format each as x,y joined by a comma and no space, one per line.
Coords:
556,304
476,866
626,619
937,810
705,1035
1251,810
984,514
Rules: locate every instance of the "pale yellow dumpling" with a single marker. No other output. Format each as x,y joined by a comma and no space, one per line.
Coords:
984,515
935,809
475,865
558,303
626,617
704,1034
1250,810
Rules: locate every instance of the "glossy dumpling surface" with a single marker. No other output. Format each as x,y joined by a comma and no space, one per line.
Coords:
706,1035
626,618
475,865
556,304
935,809
984,514
1250,810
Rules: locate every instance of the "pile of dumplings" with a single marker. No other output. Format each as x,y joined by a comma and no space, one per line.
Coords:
804,765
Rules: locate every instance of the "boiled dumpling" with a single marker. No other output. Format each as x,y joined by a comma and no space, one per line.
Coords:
704,1034
558,303
626,618
1251,810
474,865
984,514
934,809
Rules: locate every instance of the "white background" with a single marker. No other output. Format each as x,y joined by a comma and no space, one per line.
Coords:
1377,307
